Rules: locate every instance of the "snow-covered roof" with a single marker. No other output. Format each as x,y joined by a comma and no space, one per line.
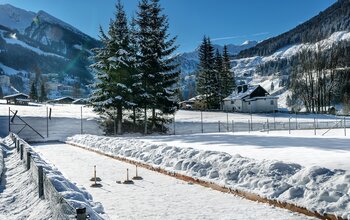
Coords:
246,95
80,101
15,95
196,98
241,95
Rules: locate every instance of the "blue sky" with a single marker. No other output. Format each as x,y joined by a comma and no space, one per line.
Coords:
225,21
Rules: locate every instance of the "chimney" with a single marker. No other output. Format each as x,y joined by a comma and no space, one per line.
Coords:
239,89
245,88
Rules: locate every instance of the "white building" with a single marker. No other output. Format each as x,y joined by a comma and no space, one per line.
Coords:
253,99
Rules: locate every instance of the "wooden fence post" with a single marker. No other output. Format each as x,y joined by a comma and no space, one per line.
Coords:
81,214
28,160
40,181
21,151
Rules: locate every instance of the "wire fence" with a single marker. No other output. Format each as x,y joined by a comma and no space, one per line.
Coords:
59,121
49,122
251,123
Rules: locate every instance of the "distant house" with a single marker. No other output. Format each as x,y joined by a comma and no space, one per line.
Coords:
187,104
17,99
80,102
253,99
63,100
197,103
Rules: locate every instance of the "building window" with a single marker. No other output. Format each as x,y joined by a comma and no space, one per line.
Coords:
271,102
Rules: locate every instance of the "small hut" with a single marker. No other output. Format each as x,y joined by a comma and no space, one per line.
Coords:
17,99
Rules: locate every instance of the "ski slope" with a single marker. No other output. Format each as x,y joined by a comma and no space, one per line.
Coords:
157,196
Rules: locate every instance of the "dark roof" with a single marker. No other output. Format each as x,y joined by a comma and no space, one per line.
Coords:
252,91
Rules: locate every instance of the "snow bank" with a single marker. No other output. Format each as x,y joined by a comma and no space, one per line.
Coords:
1,158
315,188
57,186
5,142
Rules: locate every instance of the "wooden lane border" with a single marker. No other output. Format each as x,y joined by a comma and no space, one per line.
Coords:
217,187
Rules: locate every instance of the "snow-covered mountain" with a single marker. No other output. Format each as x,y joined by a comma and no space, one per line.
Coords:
333,19
39,47
190,60
15,18
270,61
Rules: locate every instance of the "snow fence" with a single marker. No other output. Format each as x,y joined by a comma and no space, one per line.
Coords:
64,197
316,189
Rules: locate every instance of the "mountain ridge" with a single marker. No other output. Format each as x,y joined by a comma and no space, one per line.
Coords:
38,47
334,18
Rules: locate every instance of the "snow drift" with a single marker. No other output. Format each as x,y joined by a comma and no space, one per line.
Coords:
315,188
75,196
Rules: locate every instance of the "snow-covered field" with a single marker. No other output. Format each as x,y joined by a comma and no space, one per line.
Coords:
300,168
66,121
155,197
302,146
314,187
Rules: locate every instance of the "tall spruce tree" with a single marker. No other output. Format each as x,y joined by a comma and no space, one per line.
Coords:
206,73
43,93
33,94
135,74
218,95
113,64
157,69
228,77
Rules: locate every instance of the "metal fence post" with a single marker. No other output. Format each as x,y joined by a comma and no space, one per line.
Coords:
344,126
40,181
274,118
268,127
174,125
81,120
233,126
219,126
289,125
47,121
202,122
9,120
248,125
81,214
227,127
314,126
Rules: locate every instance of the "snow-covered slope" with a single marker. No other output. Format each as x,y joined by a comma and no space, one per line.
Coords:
44,16
38,43
248,65
246,68
190,60
15,18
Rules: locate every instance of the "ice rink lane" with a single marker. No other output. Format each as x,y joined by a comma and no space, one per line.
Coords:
157,196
